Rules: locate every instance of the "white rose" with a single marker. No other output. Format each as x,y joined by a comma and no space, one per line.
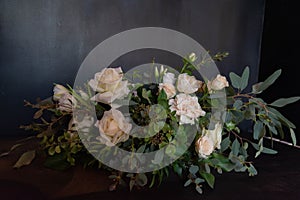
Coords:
215,135
109,96
106,80
188,84
204,146
187,107
113,128
109,85
218,83
169,78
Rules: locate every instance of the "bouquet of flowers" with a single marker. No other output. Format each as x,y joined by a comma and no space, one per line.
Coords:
140,132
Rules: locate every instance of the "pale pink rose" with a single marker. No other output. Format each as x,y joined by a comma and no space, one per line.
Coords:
204,146
113,128
168,88
188,84
218,83
169,78
215,135
187,108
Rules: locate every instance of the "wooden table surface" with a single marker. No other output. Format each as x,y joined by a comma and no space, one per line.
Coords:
278,178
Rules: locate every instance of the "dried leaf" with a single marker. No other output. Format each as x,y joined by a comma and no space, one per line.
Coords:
25,159
38,114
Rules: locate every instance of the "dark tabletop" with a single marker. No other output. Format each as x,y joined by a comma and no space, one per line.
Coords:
278,178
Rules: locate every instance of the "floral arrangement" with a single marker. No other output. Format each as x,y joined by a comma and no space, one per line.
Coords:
177,105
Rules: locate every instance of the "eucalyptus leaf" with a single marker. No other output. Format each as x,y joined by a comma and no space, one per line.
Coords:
187,183
235,147
293,136
225,143
269,81
235,80
283,119
258,130
264,149
244,78
210,179
193,169
252,171
284,101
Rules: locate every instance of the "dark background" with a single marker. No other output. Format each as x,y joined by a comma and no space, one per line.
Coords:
44,42
280,50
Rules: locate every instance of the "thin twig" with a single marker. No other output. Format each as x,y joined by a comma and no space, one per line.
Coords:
283,142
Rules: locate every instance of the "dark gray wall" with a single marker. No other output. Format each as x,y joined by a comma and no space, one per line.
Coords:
44,42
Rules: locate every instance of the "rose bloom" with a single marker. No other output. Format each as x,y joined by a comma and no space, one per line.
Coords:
109,85
168,85
218,83
113,128
204,146
188,84
168,88
215,135
187,107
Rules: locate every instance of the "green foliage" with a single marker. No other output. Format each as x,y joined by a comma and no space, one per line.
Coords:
149,106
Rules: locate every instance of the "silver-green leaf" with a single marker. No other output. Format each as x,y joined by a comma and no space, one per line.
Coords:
284,101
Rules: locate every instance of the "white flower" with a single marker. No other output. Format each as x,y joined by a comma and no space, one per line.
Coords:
113,128
215,135
169,78
204,146
168,88
187,107
66,103
168,85
218,83
59,91
109,96
109,85
65,100
188,84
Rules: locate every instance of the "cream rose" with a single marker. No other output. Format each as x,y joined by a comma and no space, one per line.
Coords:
109,85
188,84
187,108
113,128
218,83
215,135
204,146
